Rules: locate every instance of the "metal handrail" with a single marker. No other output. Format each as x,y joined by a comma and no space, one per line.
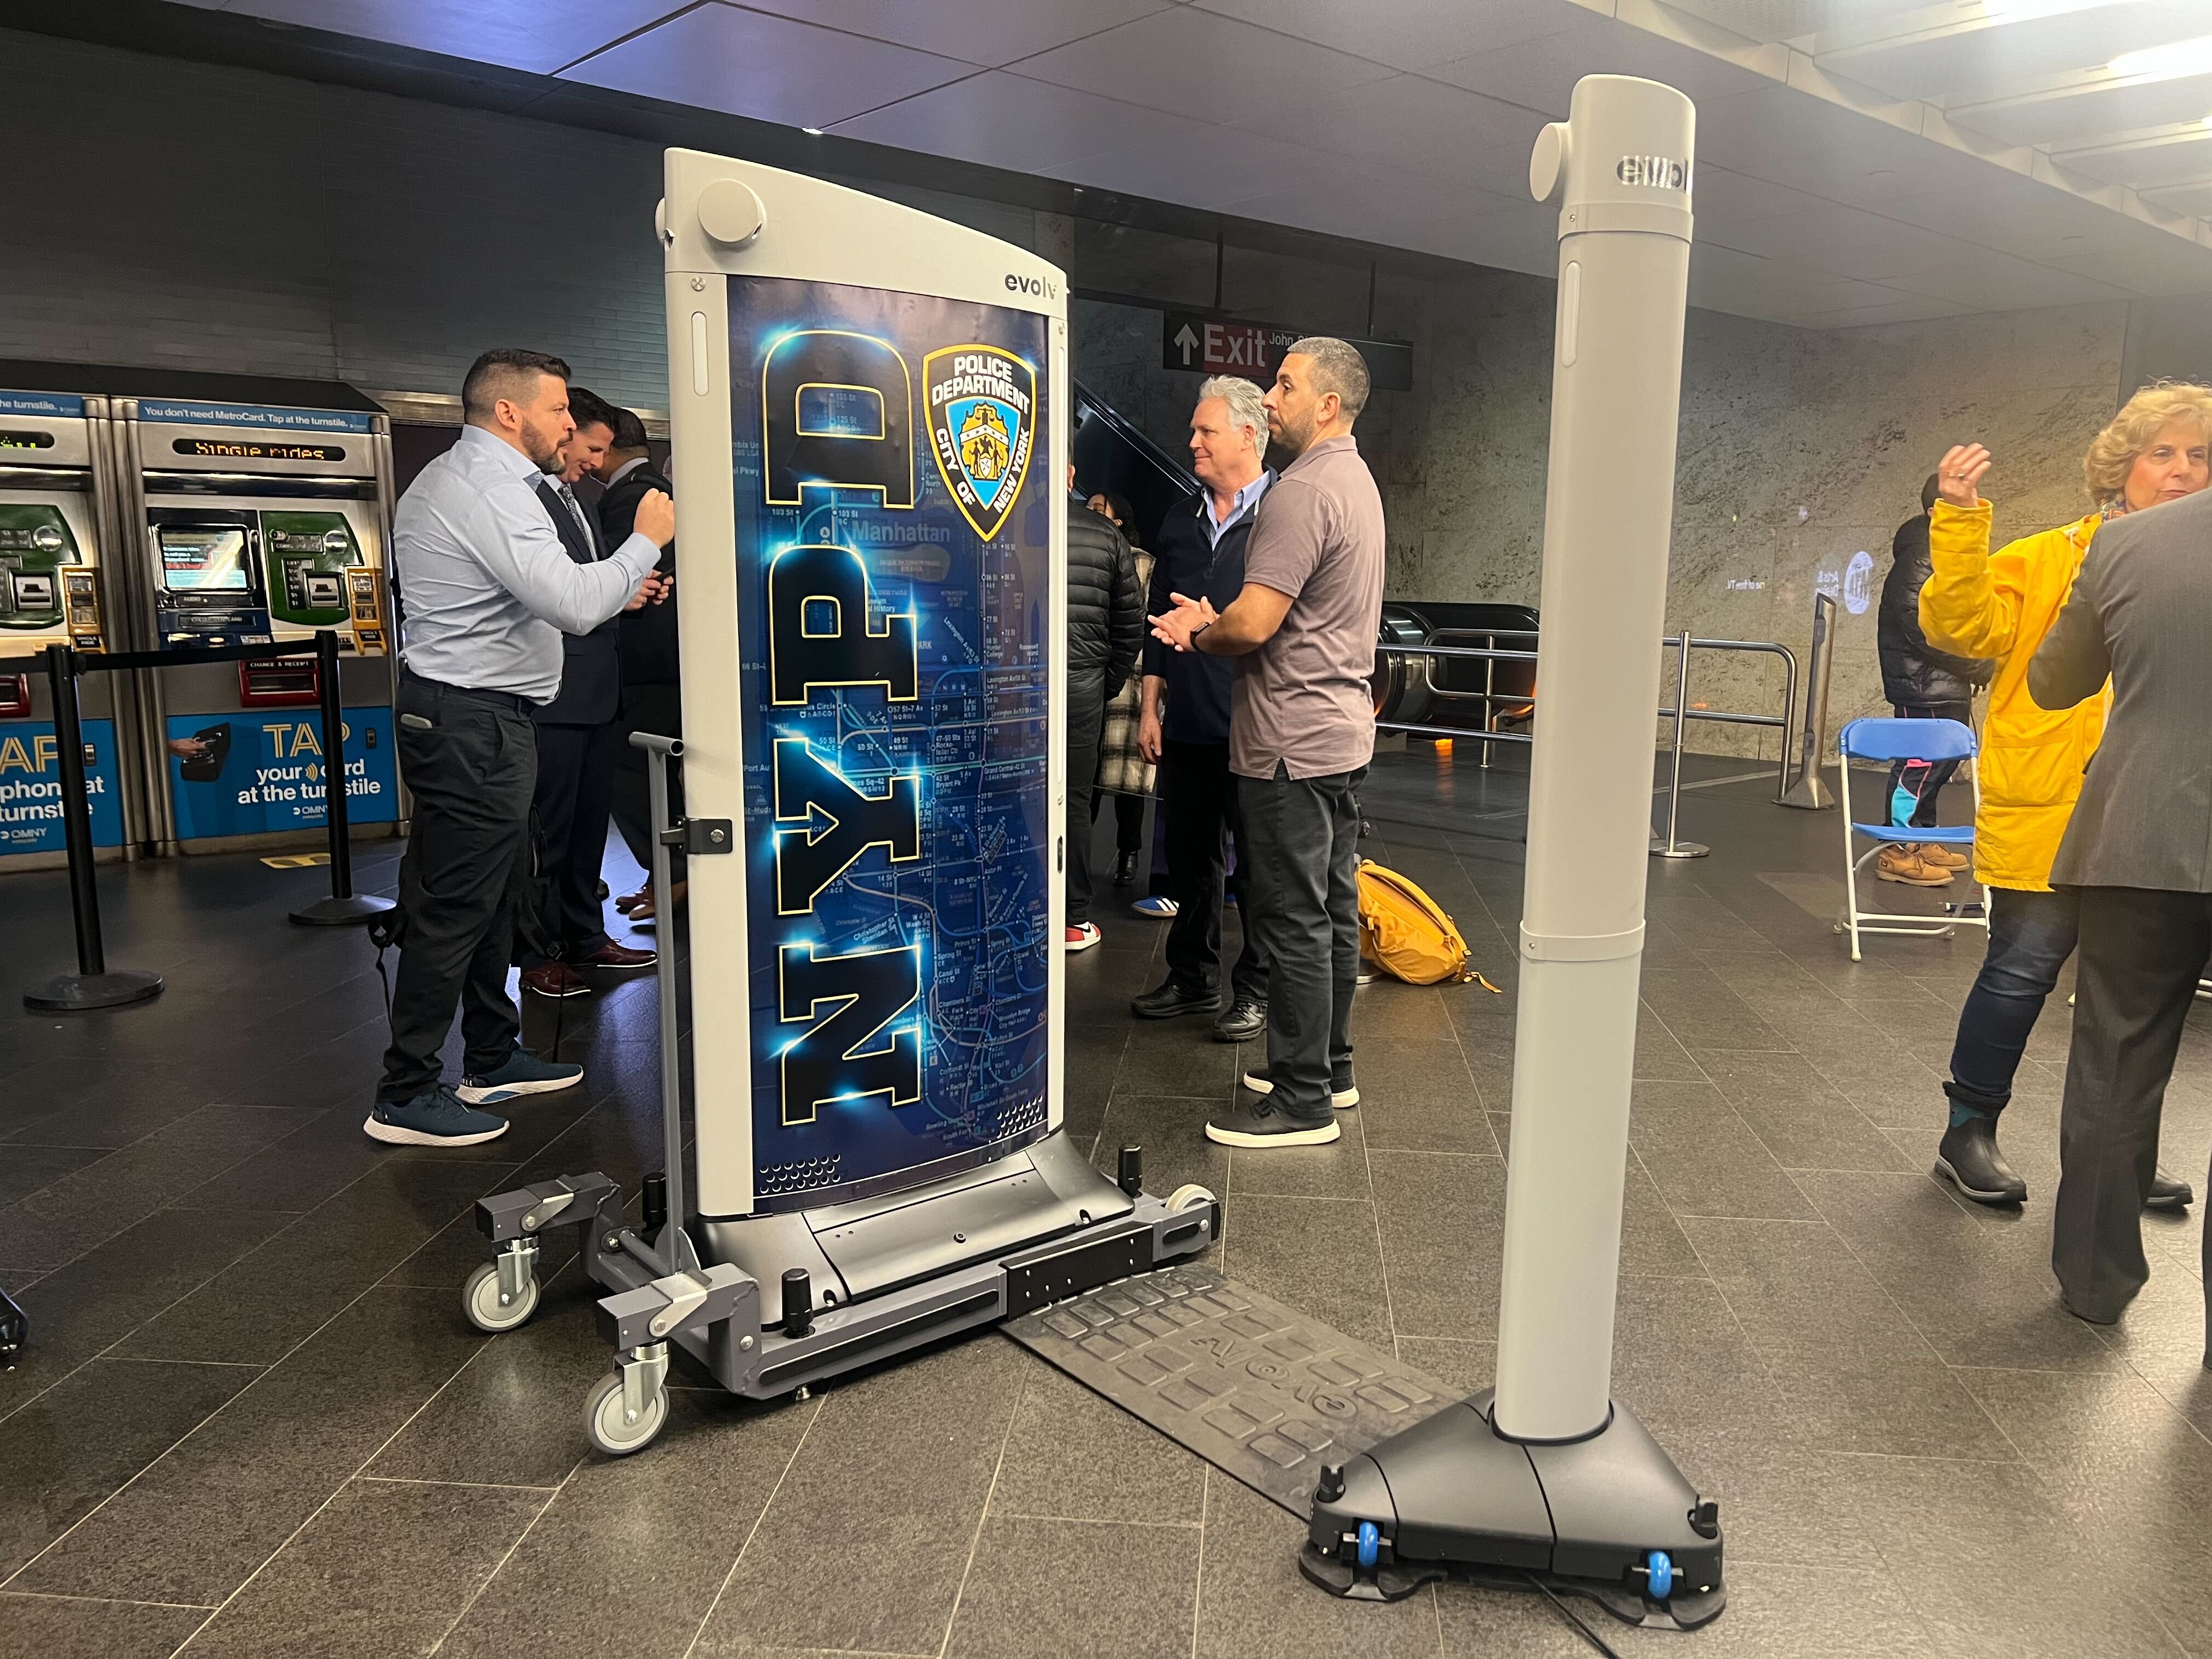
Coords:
1785,720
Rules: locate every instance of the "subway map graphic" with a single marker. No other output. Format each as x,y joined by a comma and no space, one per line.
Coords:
895,667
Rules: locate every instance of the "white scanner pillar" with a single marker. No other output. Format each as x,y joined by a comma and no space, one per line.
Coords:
1620,167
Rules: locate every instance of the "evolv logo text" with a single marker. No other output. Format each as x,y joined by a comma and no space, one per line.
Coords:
1043,287
1659,171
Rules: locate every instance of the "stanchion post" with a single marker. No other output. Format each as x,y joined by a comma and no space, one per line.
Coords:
92,986
1672,846
1809,792
343,906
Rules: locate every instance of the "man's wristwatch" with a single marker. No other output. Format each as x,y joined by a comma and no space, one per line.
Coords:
1196,631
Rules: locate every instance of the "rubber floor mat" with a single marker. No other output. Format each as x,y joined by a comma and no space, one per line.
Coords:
1260,1392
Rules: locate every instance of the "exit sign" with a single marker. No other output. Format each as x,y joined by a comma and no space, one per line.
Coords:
1217,345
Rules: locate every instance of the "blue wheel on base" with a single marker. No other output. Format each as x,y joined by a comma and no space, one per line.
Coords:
1370,1546
1659,1574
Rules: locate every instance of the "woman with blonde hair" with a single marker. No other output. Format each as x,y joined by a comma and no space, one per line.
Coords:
2000,606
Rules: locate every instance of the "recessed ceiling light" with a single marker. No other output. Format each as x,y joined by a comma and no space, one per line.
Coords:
811,132
2167,62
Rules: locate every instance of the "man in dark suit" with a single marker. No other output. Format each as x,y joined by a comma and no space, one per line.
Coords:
579,740
2139,849
652,684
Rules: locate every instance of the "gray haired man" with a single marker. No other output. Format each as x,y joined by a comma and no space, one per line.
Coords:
1302,631
1183,727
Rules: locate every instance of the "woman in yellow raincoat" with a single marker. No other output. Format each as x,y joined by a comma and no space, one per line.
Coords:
2000,605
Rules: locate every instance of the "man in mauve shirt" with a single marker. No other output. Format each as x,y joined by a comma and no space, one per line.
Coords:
1301,733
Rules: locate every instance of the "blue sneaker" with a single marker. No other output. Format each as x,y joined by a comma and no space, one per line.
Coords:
437,1117
1159,906
523,1074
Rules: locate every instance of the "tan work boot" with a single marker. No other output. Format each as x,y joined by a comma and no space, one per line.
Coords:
1901,861
1942,856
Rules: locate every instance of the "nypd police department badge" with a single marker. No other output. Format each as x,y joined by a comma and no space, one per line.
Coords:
981,401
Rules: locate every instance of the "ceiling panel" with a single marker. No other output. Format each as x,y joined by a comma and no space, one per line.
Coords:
1197,64
1722,196
747,62
2178,155
1407,35
2001,283
1419,125
2161,265
1785,19
990,31
2193,199
2093,107
539,36
1002,120
1849,242
1200,167
1979,51
1540,74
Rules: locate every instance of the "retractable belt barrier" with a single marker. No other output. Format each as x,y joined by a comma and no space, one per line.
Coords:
94,985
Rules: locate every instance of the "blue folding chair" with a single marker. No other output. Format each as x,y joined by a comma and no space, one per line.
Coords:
1889,740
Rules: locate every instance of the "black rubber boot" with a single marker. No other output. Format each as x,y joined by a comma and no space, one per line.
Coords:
1970,1160
2169,1193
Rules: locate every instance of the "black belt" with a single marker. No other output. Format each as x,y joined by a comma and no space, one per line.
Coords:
515,700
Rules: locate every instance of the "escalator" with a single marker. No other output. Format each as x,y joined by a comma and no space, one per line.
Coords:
1111,454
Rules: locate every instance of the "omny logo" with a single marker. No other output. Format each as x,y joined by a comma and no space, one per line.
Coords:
1658,171
980,400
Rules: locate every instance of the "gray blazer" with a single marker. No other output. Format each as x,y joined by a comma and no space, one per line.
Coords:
2141,613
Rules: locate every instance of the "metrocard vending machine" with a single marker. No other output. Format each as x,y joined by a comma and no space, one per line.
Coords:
869,418
261,525
58,517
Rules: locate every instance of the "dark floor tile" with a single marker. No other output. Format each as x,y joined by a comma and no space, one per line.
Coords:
1075,1456
1703,1013
1442,1221
1976,1283
1389,1012
329,1591
512,1414
1652,1241
1857,1374
1660,1055
25,1170
1419,1096
76,1311
1797,1114
1703,1158
1172,1131
1107,1589
264,1303
1951,1543
637,1546
1254,1604
219,1502
1319,1255
1177,1057
96,1203
889,1484
70,1448
69,1627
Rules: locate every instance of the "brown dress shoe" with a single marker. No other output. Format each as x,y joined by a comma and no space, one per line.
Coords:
1900,862
556,979
611,955
629,902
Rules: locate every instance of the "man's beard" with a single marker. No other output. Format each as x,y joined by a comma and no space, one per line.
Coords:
546,460
1295,441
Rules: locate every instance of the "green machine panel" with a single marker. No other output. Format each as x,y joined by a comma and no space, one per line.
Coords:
307,555
35,542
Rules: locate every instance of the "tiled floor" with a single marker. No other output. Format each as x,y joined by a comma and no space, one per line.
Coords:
254,1422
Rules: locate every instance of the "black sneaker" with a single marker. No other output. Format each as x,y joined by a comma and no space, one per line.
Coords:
1343,1092
1253,1121
1969,1159
1247,1018
436,1117
2169,1193
1166,1001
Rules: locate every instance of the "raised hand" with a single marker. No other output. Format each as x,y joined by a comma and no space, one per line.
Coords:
1959,477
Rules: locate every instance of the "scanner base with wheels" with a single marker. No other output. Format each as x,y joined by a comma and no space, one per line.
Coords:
1610,1517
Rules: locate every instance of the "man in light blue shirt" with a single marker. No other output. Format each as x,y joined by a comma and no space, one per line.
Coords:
487,589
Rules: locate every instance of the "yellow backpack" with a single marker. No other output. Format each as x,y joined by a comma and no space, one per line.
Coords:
1405,932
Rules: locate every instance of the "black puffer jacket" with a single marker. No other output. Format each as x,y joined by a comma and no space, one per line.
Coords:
1105,605
1913,671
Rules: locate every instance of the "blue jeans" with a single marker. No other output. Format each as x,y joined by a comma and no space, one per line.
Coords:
2031,936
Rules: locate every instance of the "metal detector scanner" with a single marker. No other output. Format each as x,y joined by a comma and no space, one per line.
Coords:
870,428
1546,1473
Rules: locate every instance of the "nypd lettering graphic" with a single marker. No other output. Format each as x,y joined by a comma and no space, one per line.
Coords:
981,402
